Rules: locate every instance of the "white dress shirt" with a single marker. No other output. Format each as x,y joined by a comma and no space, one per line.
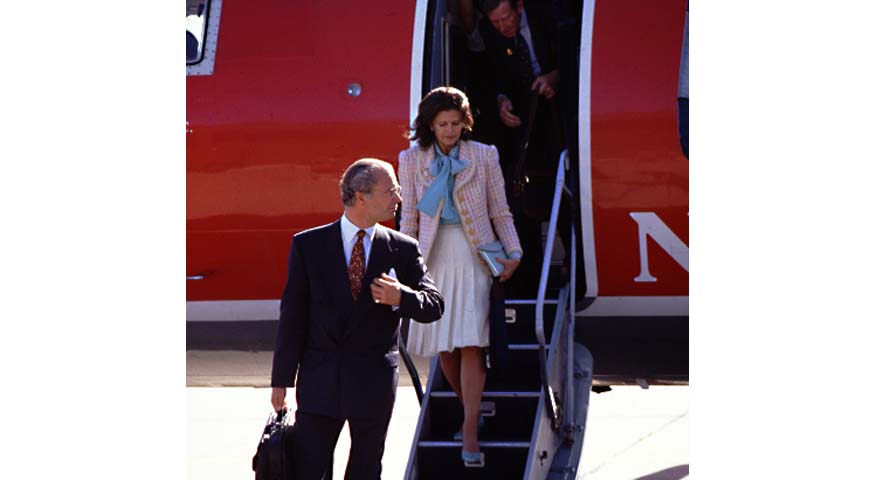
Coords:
348,232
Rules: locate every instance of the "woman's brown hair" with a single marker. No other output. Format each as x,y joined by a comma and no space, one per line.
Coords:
445,98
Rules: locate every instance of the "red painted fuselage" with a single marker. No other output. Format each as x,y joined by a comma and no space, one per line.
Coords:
274,125
272,129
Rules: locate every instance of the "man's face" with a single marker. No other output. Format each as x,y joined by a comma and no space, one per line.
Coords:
382,201
506,19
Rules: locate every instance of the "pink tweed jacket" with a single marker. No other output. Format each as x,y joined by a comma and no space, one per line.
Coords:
478,195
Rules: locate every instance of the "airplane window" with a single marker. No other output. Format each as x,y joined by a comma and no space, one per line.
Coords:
195,30
684,91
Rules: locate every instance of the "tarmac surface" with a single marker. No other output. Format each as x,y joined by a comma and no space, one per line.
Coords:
631,433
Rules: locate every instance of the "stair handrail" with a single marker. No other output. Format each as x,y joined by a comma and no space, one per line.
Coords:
408,362
549,398
568,417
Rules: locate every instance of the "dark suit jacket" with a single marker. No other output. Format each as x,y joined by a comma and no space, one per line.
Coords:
508,71
345,353
545,141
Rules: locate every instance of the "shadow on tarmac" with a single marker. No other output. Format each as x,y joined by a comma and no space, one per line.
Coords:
673,473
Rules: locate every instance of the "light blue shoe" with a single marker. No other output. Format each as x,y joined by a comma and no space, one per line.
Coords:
473,459
481,422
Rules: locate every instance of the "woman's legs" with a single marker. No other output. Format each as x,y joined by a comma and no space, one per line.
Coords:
451,363
473,377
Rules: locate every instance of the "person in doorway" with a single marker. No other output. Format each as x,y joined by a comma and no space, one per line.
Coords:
523,45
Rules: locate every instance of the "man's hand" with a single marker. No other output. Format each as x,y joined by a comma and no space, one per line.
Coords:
504,112
547,85
278,398
510,265
386,290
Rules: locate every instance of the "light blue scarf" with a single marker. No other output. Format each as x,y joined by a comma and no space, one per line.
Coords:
444,169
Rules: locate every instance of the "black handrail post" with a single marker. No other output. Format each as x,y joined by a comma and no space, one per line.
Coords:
408,362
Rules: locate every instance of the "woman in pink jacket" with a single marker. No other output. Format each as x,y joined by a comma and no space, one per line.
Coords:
454,204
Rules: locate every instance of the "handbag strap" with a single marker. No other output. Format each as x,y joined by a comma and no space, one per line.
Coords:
518,171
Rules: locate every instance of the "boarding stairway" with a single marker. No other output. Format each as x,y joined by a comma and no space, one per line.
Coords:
534,421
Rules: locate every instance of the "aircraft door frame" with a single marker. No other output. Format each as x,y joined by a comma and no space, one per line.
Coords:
633,185
430,35
584,140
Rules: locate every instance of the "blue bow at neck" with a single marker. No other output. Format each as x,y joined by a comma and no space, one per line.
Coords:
443,168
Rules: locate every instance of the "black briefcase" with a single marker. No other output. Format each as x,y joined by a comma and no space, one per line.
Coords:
273,458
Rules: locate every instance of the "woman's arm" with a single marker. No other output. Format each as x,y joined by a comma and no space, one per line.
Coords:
406,176
499,212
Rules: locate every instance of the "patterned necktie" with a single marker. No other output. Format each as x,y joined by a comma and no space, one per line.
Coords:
356,270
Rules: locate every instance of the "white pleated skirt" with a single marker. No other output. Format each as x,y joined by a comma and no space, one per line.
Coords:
464,284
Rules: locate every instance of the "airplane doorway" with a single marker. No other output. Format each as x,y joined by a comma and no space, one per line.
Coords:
463,49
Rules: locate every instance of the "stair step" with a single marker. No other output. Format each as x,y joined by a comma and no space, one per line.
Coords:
513,420
488,394
445,462
521,322
527,347
509,408
530,302
522,374
483,444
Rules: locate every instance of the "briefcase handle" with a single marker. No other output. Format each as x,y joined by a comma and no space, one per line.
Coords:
275,418
281,414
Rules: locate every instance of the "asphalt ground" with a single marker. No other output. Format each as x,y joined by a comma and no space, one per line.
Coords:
631,433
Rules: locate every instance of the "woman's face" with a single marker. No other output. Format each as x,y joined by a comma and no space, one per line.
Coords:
447,128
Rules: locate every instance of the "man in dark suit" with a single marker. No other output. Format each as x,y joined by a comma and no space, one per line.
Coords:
349,283
523,46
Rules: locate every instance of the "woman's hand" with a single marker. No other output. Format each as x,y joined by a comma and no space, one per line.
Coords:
510,265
